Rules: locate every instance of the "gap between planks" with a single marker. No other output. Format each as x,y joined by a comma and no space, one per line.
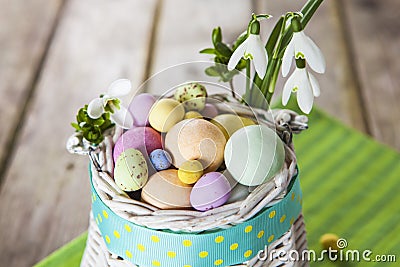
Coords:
15,131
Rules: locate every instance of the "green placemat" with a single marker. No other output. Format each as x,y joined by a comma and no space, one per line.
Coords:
351,187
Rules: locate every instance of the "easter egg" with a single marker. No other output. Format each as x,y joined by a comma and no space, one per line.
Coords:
164,190
190,171
209,111
144,139
230,123
140,108
192,95
193,115
254,154
239,192
130,172
329,241
165,113
160,159
196,140
211,190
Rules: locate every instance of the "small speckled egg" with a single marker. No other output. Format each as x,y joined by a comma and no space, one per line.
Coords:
192,95
230,123
211,191
193,115
140,108
145,139
160,159
196,139
164,190
209,111
130,172
254,154
165,113
190,171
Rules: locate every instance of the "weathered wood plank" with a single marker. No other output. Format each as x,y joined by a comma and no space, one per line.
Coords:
182,34
25,30
45,199
374,30
338,91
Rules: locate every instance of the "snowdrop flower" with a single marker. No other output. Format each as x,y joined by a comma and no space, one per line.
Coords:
120,114
252,48
301,46
304,84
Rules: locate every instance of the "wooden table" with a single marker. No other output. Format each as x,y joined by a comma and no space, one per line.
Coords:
57,55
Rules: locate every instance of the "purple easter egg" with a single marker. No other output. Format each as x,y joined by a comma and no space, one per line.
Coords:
140,108
144,139
209,111
211,191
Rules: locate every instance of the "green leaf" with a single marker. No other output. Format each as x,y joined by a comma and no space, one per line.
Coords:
210,51
82,115
239,40
223,49
211,71
216,36
273,38
76,126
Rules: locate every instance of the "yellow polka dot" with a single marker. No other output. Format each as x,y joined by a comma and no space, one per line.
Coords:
218,262
234,246
156,263
128,254
105,214
171,254
187,243
270,238
248,229
94,197
219,239
203,254
291,221
99,216
155,238
116,234
128,228
248,253
141,247
298,198
187,265
108,240
97,221
260,234
283,218
293,196
272,214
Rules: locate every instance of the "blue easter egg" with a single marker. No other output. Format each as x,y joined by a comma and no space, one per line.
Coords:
160,159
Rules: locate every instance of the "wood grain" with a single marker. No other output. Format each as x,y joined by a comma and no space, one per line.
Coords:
374,31
45,199
338,91
25,31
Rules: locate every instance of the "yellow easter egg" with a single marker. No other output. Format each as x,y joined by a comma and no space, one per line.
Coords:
193,115
230,123
190,171
165,113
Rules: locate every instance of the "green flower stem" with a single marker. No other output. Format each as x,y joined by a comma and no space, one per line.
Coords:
248,92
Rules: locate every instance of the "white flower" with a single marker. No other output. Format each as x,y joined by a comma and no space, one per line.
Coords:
301,46
305,85
121,116
252,48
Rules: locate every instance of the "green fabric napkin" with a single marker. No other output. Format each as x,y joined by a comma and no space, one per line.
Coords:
350,186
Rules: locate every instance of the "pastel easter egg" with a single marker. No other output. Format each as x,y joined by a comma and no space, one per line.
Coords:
196,139
211,191
130,172
144,139
239,192
193,115
190,171
230,123
209,111
160,159
140,108
192,95
254,154
165,113
164,190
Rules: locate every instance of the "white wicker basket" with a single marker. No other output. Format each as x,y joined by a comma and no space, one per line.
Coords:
96,254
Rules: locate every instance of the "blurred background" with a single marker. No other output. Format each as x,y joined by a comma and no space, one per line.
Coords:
55,56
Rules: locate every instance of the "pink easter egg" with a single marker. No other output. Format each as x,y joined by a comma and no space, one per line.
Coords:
140,108
209,111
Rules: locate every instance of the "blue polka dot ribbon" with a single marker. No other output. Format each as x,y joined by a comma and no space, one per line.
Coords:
147,247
